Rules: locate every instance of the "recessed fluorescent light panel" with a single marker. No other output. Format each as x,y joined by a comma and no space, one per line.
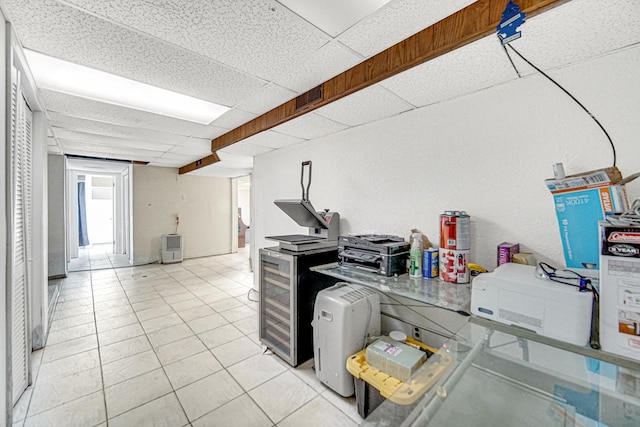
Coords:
73,79
333,16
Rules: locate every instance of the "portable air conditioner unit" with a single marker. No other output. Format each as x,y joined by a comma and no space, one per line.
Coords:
171,248
344,316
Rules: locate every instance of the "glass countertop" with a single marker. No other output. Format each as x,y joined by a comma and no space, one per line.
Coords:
498,378
452,296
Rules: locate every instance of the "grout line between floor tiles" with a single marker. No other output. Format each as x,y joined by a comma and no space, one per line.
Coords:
95,320
156,355
35,380
173,390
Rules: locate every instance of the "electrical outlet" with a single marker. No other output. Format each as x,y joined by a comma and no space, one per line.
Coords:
416,334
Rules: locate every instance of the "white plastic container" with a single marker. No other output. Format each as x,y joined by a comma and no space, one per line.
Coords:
415,255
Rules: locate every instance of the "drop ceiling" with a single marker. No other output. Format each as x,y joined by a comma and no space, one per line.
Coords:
252,56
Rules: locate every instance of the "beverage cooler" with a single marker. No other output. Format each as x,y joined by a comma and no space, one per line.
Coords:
288,290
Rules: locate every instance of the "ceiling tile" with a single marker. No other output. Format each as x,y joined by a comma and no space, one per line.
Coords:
574,31
168,164
66,144
196,144
61,121
182,158
468,69
233,118
273,139
309,126
97,165
210,132
255,36
199,152
243,148
67,33
114,156
71,135
367,105
100,111
329,61
234,160
397,20
101,151
333,16
266,99
219,170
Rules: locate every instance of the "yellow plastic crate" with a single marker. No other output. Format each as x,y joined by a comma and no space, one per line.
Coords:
403,393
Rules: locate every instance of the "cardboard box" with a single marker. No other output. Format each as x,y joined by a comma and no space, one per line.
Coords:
596,178
620,289
581,201
506,251
394,358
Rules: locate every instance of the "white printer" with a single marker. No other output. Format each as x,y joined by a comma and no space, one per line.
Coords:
515,295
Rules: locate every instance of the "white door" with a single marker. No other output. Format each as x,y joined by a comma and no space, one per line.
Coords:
116,212
21,119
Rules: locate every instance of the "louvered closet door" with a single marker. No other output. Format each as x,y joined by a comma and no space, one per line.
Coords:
21,118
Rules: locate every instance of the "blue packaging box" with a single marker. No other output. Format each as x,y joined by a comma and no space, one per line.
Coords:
578,214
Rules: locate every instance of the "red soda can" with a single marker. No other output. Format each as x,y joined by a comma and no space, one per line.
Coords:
455,230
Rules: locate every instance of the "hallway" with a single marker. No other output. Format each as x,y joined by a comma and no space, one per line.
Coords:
169,345
97,257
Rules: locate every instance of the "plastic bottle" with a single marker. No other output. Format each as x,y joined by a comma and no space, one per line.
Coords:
415,255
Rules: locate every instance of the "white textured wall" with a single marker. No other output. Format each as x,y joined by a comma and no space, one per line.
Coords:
204,205
56,223
487,153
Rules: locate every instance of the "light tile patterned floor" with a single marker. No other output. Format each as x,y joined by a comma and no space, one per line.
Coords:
169,345
97,257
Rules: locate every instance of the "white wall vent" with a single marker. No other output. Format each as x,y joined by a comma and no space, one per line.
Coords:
171,248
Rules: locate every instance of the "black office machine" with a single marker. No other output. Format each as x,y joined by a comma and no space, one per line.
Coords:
324,227
379,253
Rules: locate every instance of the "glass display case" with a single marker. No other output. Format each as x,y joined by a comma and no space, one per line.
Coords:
501,377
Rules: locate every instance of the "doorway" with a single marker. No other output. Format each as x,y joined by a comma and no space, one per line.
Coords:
98,214
244,211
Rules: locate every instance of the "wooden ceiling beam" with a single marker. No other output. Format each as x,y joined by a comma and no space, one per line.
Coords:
205,161
465,26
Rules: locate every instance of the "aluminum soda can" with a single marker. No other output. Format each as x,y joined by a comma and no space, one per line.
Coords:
454,266
430,263
455,230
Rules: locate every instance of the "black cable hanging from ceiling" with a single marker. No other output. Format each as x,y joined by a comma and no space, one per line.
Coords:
613,147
